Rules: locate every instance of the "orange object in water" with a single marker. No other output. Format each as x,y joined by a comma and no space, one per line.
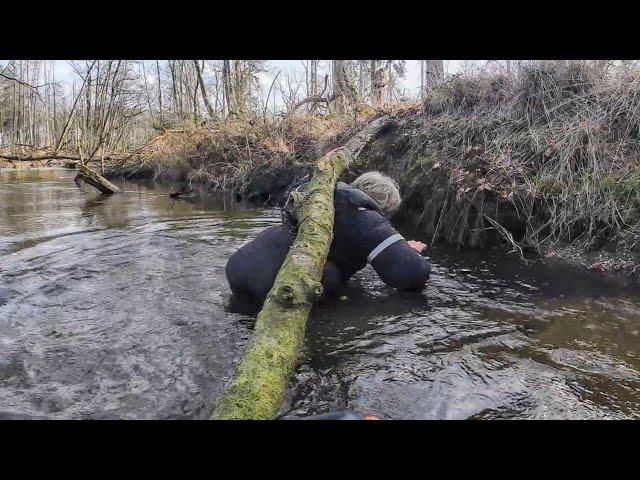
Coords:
371,417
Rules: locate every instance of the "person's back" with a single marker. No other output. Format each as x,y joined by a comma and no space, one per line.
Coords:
252,269
362,234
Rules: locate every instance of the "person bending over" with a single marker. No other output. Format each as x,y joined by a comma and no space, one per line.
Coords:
362,234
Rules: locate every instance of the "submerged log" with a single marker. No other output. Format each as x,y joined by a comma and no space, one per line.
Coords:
93,178
184,191
257,388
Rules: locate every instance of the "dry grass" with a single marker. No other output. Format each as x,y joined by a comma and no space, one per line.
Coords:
560,144
220,155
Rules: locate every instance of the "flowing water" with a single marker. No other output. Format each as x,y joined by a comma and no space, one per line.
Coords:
118,307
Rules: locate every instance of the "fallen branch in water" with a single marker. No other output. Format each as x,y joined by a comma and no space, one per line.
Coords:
95,179
257,388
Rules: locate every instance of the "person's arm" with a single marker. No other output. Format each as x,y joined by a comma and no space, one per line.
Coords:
401,267
395,260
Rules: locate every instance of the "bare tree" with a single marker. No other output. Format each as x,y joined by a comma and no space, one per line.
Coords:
73,109
345,93
314,78
203,91
433,73
361,79
377,82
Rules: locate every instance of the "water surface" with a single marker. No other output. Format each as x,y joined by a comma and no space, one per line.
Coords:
117,307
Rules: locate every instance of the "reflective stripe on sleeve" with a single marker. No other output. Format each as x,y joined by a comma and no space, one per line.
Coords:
382,245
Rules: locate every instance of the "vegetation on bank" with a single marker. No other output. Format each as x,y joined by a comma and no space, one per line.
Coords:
551,155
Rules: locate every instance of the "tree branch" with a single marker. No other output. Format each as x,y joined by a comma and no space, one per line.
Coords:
257,388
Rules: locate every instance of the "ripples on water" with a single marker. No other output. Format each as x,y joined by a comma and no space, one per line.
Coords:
116,307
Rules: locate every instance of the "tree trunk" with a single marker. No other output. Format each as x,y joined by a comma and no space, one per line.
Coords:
257,388
377,83
361,80
226,86
344,92
174,86
314,78
433,72
390,82
93,178
421,79
159,92
203,91
73,109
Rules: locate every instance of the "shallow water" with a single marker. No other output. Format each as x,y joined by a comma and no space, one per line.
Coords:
116,307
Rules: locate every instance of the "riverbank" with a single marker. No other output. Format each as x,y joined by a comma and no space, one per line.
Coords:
33,164
546,163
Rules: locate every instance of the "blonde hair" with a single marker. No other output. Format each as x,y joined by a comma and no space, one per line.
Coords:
384,190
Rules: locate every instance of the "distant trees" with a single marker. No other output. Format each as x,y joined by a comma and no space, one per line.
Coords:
353,83
29,97
116,105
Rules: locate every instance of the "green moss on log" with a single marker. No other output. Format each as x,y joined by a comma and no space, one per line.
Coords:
257,388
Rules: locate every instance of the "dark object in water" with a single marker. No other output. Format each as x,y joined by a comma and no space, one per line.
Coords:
341,415
184,191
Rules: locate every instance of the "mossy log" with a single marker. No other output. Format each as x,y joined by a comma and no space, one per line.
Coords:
93,178
257,388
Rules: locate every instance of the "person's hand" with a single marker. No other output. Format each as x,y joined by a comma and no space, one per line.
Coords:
416,245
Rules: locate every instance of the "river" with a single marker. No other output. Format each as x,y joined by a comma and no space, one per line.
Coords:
118,308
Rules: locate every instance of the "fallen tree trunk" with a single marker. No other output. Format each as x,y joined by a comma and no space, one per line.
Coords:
257,388
93,178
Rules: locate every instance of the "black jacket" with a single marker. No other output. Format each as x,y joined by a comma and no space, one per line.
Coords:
361,234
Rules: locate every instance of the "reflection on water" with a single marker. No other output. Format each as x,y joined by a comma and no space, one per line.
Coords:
116,307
